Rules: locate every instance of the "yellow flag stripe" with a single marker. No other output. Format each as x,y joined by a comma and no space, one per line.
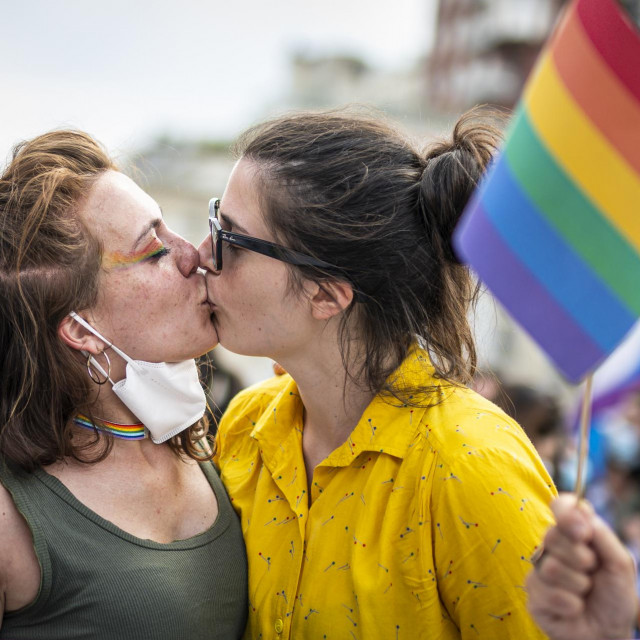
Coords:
579,147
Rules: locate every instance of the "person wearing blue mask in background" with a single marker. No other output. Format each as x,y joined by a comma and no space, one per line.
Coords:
114,522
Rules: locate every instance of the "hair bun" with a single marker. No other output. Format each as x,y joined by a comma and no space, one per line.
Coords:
452,170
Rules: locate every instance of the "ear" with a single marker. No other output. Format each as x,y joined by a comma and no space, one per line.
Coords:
77,337
330,298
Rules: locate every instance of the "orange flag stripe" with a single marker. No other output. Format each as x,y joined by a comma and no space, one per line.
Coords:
599,92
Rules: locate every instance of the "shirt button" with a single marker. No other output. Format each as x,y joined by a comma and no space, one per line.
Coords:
279,625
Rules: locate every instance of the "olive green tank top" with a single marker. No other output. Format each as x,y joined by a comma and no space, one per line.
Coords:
99,582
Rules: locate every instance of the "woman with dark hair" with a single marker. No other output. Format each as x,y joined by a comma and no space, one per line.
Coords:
379,496
114,521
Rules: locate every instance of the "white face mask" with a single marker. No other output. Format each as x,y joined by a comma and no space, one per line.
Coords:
166,397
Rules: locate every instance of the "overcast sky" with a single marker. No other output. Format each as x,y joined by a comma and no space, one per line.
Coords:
128,70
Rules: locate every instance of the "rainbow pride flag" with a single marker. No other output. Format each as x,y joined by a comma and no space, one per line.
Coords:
554,228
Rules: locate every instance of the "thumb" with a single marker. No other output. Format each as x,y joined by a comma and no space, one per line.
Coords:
610,551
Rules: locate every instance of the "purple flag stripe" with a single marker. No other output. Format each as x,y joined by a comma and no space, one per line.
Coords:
479,244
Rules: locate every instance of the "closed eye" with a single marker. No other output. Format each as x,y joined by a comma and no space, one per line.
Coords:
160,253
154,250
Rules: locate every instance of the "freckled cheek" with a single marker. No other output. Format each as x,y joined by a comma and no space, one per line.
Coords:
170,292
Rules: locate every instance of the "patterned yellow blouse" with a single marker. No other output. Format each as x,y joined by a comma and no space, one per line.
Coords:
421,525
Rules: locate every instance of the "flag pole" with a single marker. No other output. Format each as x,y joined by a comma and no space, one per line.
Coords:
583,451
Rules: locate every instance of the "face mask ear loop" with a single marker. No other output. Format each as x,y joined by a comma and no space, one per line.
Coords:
109,344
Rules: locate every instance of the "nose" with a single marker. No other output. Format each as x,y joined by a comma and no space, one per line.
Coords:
187,260
205,254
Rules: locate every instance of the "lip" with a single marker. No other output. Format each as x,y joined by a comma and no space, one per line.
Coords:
204,293
207,294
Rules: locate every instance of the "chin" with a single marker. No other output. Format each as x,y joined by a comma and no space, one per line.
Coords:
204,345
214,342
242,348
234,347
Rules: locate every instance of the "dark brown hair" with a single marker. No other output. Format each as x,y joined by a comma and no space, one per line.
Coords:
49,266
354,191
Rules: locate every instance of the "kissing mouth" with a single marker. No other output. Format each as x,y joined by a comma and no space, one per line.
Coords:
207,292
212,311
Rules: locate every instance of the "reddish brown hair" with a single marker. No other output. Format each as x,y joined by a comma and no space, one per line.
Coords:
49,266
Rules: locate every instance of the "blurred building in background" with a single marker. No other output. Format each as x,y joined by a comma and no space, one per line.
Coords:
334,80
183,175
484,50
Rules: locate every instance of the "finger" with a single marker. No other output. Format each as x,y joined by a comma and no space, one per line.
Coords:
560,628
610,551
575,521
575,555
556,573
548,600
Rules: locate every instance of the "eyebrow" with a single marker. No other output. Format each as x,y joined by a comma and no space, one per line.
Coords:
233,226
154,224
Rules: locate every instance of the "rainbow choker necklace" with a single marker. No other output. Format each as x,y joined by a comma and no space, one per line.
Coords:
124,431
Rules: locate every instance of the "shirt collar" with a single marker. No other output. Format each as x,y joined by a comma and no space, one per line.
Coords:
387,425
277,422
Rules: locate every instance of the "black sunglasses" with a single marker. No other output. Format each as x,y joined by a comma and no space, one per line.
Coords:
218,235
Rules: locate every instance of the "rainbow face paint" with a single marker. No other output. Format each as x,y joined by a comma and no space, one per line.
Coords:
119,260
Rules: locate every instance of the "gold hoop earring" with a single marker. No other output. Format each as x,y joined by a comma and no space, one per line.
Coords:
93,375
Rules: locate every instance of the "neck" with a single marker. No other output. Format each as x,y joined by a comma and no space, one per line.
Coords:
109,407
333,401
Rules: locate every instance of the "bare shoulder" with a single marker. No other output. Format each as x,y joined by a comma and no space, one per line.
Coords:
19,567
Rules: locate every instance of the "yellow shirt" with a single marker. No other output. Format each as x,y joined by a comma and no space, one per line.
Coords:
421,525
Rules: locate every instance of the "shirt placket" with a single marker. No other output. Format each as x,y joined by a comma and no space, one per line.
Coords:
288,474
